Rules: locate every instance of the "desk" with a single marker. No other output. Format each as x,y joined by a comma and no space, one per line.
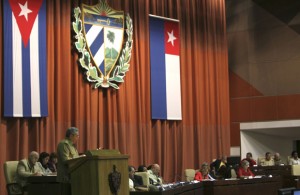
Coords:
287,179
46,185
272,170
253,186
187,189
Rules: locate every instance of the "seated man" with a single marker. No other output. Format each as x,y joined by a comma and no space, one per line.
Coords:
154,177
249,159
28,167
277,159
267,161
134,180
220,168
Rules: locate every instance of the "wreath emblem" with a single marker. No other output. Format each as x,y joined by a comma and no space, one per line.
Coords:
100,64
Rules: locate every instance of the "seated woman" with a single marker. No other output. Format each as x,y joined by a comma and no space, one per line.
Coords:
203,174
244,171
294,160
43,159
52,163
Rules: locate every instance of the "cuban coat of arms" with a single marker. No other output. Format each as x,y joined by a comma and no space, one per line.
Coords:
100,33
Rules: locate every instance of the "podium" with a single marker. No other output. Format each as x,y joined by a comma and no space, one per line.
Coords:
100,172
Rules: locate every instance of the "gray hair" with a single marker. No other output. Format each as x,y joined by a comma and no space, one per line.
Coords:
205,164
245,163
71,131
33,154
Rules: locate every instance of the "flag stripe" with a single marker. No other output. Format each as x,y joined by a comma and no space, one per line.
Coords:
173,87
8,70
158,79
43,61
26,79
16,73
34,69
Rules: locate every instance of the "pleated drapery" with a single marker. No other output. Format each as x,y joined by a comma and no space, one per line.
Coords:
121,119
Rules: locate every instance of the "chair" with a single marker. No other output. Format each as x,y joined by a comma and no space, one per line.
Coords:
260,160
288,160
10,169
146,182
233,173
189,174
295,170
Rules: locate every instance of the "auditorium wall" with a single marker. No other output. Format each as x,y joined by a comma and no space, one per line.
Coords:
264,47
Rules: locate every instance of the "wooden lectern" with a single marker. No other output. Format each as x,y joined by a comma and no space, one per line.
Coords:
94,174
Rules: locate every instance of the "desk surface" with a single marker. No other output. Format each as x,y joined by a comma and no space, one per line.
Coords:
272,170
42,179
184,189
46,185
264,185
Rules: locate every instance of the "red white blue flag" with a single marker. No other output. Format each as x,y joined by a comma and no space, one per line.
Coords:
25,60
165,68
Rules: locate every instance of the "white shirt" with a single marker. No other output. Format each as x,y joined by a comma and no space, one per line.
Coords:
294,161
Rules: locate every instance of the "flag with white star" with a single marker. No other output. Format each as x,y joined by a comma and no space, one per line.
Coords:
25,61
165,68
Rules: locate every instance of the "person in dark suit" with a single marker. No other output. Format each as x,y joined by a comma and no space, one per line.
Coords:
134,180
220,168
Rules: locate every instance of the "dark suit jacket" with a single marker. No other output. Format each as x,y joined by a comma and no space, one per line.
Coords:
223,172
137,180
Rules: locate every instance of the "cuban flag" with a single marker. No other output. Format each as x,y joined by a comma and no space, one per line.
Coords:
165,68
25,61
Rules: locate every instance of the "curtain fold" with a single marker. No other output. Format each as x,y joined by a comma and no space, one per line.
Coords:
121,119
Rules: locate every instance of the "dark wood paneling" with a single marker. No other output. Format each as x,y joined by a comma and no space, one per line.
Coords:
288,107
235,137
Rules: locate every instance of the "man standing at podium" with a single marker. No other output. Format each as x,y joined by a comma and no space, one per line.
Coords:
66,150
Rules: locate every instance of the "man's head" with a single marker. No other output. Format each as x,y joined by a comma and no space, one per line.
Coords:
249,155
277,156
131,171
224,159
72,134
33,157
155,169
268,156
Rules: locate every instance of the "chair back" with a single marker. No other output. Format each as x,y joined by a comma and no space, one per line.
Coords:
295,170
233,173
145,177
189,174
10,170
260,160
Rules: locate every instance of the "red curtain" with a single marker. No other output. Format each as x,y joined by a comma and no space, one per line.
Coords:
121,119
